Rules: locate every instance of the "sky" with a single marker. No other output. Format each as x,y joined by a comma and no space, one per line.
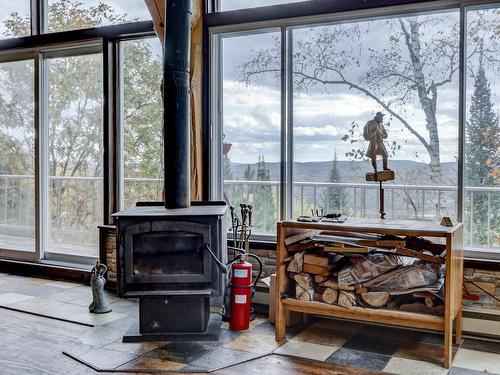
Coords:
251,114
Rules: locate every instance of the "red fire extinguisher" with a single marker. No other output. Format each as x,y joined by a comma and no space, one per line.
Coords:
241,295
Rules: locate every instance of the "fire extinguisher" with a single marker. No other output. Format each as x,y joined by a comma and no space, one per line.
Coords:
242,292
241,295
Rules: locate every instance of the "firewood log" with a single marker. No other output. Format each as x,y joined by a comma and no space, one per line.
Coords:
304,294
330,296
316,270
318,294
375,299
394,302
346,299
416,307
334,285
320,278
304,280
430,302
316,260
297,263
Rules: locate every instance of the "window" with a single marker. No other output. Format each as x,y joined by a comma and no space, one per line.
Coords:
251,124
17,156
75,154
142,121
66,15
242,4
342,75
407,67
15,20
482,133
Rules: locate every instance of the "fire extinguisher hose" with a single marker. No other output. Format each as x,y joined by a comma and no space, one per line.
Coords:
260,271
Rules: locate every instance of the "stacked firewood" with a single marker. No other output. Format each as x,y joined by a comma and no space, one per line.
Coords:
368,271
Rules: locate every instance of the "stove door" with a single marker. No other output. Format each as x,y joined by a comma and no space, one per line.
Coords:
167,252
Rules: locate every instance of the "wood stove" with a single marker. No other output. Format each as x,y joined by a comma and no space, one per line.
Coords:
170,254
167,258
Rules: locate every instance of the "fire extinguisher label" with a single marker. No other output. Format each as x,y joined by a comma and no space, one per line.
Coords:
240,299
241,273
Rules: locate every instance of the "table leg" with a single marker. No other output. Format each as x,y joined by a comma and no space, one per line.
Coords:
280,321
448,342
458,327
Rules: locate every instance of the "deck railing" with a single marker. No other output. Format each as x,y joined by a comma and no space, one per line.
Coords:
76,203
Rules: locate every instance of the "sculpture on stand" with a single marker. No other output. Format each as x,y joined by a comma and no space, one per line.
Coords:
375,132
99,304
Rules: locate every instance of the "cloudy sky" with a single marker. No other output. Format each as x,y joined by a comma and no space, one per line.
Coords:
251,114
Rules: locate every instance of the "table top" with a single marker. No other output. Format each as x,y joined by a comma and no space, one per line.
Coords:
382,226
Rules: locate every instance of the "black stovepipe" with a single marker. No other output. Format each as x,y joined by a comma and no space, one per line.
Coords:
176,98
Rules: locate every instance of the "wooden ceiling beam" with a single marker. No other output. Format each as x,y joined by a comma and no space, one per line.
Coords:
157,10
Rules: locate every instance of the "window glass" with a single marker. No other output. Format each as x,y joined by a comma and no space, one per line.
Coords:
343,74
75,145
242,4
15,18
66,15
17,151
142,121
482,134
251,128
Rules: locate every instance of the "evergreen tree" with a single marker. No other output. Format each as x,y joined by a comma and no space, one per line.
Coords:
482,159
249,173
264,200
335,199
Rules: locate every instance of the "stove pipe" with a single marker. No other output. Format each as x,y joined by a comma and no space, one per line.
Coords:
176,118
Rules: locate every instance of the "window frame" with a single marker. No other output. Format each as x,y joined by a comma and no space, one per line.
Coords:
256,20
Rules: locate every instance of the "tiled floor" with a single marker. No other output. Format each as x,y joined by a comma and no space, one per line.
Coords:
349,348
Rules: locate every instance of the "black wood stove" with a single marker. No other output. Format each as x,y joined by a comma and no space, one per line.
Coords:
169,259
170,254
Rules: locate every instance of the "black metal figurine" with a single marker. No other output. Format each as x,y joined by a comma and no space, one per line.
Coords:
99,304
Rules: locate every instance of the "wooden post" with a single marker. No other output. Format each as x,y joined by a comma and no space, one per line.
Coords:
280,320
382,209
458,327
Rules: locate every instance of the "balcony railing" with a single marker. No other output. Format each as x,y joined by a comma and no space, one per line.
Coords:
76,204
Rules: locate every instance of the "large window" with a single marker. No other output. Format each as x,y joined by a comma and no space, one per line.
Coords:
17,151
142,121
334,78
342,75
251,124
75,154
52,123
482,133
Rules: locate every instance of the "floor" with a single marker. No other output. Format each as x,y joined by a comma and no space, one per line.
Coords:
34,344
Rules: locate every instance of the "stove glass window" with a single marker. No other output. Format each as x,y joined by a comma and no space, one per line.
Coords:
167,253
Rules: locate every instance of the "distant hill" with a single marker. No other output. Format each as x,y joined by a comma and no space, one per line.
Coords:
407,171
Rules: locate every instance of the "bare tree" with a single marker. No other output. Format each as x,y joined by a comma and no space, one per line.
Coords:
419,57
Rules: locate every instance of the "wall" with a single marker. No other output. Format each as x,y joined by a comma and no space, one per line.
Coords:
486,278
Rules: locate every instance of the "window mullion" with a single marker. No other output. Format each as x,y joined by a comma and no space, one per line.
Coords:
461,114
284,199
289,115
42,157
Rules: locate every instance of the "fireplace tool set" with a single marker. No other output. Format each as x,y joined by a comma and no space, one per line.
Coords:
240,289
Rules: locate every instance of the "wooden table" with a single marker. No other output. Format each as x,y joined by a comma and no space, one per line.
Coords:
453,279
